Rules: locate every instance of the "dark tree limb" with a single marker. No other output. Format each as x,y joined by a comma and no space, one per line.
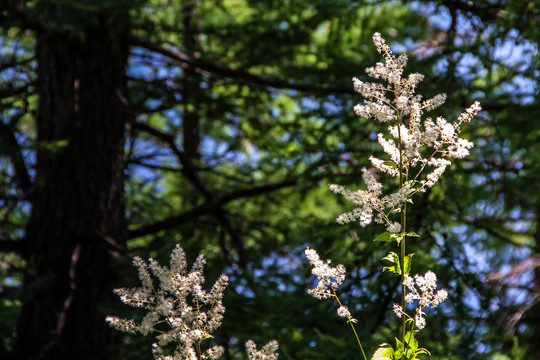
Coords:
188,169
21,90
207,207
7,64
489,229
203,66
14,152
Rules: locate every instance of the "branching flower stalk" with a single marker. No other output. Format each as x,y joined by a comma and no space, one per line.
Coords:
417,153
329,279
180,311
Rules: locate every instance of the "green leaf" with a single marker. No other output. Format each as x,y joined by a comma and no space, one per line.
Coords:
384,352
412,343
407,263
412,234
423,351
399,349
399,237
385,236
394,259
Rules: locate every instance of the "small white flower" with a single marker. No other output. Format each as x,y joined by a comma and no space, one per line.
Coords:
343,311
393,227
268,351
401,102
469,113
330,278
398,310
422,289
419,321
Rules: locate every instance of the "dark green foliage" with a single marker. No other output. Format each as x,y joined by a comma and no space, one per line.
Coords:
241,115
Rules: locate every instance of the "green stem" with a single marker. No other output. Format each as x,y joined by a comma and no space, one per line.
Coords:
403,231
358,340
350,321
198,347
402,264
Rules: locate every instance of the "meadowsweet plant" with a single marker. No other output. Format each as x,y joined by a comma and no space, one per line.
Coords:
180,312
417,151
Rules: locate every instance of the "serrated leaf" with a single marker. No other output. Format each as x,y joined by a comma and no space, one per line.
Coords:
399,349
394,268
394,259
407,263
384,352
385,236
412,234
412,343
397,237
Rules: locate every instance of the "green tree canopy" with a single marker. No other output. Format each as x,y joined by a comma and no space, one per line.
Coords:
130,126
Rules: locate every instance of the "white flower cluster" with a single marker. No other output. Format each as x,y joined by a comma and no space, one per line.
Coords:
268,351
421,289
180,310
330,278
371,201
411,143
344,312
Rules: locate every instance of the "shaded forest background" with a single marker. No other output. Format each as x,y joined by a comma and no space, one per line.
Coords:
129,126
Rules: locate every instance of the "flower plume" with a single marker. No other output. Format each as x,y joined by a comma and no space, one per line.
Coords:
417,150
180,311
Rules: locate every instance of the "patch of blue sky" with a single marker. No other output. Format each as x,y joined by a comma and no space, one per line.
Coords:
149,66
218,152
309,103
15,45
174,115
271,279
509,52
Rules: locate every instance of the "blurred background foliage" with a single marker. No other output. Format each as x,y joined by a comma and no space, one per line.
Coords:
241,115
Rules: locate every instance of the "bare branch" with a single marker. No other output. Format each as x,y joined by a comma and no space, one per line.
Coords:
188,169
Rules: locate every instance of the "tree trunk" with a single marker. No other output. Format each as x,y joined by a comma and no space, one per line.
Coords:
77,219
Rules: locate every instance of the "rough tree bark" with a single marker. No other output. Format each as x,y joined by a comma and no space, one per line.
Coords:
77,219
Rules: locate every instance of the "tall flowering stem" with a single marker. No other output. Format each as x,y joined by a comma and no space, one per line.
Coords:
329,279
402,179
417,152
344,312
